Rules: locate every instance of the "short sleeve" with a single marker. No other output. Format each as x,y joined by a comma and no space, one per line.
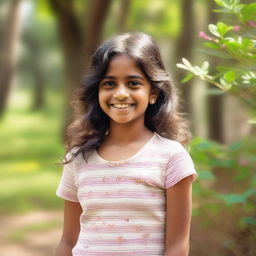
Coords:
67,188
179,166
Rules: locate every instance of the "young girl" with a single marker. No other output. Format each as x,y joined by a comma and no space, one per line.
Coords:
127,179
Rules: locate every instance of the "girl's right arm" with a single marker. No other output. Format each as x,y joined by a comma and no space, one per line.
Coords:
71,228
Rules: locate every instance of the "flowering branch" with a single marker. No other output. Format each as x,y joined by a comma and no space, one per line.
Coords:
236,45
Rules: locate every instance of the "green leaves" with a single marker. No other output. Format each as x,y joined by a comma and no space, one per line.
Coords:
220,29
229,4
230,76
205,175
248,12
222,3
249,78
212,45
237,198
223,28
202,71
226,184
248,220
245,12
227,79
214,30
234,46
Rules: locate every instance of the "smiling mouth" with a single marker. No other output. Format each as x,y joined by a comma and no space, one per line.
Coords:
122,106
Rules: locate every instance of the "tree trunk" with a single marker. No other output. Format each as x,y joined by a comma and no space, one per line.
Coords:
37,71
184,49
39,84
215,102
7,62
123,15
92,33
78,42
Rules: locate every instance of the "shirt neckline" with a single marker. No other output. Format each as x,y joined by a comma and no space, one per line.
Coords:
114,163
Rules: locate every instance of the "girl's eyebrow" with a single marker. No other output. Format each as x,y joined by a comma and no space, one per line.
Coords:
128,77
136,77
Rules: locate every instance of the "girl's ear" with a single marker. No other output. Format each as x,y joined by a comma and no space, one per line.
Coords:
153,95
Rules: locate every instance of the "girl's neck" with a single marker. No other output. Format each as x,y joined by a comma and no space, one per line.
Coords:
123,134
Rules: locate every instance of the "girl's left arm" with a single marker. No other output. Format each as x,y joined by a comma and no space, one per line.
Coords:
178,217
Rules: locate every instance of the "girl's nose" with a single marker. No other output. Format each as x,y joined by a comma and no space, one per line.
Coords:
121,93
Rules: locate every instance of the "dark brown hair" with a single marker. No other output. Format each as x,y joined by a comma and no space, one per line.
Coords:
91,123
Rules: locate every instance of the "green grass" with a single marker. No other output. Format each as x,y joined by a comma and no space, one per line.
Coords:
31,146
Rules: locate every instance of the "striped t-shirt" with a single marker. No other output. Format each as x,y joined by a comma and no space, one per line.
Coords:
123,202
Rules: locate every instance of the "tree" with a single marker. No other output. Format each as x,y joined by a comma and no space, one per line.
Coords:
79,39
123,14
184,46
36,69
215,101
7,61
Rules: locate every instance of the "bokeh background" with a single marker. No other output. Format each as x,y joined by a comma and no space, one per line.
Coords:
45,47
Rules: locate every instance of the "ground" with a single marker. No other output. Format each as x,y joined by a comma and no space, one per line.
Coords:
32,234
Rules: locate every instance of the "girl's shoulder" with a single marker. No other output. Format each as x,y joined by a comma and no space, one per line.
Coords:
78,160
168,145
172,151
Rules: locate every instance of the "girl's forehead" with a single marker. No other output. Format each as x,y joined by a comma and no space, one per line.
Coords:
123,63
122,58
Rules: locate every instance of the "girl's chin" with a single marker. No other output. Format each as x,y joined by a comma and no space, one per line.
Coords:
121,121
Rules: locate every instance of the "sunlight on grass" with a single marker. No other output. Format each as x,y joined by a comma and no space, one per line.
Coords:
19,100
28,166
36,182
32,147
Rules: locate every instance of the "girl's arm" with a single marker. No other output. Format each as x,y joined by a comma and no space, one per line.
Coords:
178,216
71,228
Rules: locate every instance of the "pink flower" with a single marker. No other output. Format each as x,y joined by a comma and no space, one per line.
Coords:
236,28
243,162
251,23
204,36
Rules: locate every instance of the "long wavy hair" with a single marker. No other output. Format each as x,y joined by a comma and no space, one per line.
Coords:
91,124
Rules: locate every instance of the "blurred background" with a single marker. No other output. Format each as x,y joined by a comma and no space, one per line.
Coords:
45,46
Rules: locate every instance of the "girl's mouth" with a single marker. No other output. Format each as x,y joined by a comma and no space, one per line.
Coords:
121,105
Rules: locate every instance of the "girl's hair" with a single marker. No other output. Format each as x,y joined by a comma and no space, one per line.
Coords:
91,124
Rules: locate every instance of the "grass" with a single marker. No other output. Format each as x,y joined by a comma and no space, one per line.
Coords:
31,146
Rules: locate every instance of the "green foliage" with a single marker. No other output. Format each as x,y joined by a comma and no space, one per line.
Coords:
248,220
157,18
226,188
29,170
43,10
234,44
248,12
40,48
238,198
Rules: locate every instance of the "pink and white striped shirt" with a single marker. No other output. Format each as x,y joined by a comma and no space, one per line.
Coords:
123,202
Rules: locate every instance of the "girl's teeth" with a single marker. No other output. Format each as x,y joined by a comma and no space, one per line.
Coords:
121,105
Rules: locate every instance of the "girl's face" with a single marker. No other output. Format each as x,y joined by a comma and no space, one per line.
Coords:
125,92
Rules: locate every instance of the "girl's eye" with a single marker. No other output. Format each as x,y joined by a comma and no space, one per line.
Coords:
108,83
134,83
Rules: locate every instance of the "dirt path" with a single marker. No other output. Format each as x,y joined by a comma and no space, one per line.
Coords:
33,234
